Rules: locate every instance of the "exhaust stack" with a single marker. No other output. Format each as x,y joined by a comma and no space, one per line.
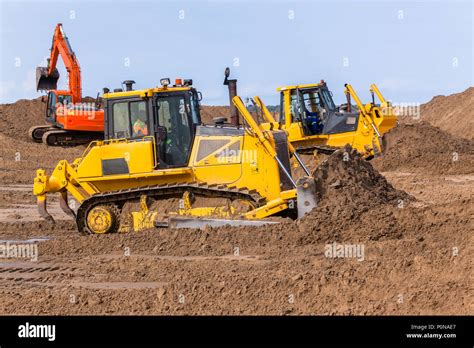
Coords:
128,85
232,85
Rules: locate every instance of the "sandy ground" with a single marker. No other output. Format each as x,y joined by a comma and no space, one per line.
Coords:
234,271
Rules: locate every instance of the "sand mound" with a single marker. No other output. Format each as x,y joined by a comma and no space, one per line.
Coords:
346,176
17,118
20,157
208,112
424,148
452,113
351,192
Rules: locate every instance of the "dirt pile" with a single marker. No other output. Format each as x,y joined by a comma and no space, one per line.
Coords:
349,192
422,147
346,176
19,156
208,112
17,118
453,113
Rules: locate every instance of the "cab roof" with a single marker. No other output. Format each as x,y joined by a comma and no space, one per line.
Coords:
284,88
146,92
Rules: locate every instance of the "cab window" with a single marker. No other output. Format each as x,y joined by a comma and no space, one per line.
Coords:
295,112
121,120
311,101
139,119
281,117
328,100
51,100
130,119
195,109
64,99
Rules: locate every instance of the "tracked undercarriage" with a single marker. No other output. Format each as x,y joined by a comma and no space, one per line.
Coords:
95,212
53,136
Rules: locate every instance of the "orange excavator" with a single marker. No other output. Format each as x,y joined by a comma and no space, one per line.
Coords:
70,121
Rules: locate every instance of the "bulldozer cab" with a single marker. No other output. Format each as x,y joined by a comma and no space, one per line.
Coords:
169,115
313,109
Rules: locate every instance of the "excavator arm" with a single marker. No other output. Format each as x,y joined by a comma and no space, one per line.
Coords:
47,77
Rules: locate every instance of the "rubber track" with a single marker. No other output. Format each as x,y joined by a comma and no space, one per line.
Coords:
120,197
66,138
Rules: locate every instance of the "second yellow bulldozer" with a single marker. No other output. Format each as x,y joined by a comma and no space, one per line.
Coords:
314,123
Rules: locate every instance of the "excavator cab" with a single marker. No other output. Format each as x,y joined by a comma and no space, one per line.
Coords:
56,100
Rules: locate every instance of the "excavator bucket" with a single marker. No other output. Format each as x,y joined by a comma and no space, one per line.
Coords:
44,81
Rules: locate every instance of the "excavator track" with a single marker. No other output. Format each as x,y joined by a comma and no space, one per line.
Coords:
36,132
116,199
59,137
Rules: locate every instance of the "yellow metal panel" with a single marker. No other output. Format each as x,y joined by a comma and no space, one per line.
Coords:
229,152
284,88
139,156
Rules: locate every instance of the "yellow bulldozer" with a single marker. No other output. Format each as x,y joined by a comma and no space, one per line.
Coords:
157,150
159,166
314,123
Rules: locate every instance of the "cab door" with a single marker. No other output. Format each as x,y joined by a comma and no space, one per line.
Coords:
174,129
51,108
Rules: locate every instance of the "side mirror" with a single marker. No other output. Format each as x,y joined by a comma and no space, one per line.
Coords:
199,94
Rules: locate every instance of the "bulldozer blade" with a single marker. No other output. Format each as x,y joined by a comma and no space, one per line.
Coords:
63,204
190,222
42,209
305,195
45,82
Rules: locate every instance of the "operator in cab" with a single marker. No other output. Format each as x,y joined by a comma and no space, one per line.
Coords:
140,127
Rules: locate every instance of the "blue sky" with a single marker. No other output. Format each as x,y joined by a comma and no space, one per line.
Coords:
412,49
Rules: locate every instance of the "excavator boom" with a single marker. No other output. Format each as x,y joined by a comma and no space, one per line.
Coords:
47,77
